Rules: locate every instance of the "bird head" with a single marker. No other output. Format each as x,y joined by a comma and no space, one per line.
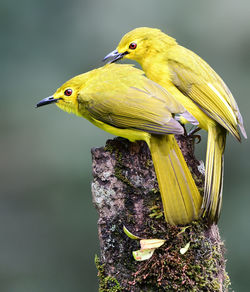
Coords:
66,97
140,43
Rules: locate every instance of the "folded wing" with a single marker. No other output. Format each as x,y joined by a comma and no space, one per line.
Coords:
197,80
132,102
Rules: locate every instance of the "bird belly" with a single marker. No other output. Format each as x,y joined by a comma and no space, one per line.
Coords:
130,134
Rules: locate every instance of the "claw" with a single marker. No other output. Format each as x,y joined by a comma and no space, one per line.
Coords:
192,132
197,137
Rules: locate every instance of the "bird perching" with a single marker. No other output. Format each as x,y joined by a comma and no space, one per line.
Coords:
122,101
193,83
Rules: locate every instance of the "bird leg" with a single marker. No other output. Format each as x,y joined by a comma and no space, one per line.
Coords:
192,132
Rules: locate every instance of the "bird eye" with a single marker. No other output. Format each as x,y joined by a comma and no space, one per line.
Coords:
68,92
133,46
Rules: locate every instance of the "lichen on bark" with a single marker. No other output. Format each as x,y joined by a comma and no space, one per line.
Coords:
125,193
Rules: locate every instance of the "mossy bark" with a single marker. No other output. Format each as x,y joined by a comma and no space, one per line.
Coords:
125,193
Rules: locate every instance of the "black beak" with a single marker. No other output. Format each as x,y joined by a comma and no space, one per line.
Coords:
47,100
114,56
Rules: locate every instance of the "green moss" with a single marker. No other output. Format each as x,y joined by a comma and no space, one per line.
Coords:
119,169
108,147
227,282
155,212
149,163
121,176
119,164
198,181
196,270
106,283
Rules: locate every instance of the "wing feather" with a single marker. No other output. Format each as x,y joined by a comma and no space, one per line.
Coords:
197,80
130,102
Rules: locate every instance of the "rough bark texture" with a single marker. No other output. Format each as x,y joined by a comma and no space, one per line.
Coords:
125,193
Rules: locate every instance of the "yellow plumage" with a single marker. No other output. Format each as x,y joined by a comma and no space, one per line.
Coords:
122,101
193,83
179,192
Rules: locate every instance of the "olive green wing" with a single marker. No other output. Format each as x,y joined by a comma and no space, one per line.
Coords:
197,80
131,104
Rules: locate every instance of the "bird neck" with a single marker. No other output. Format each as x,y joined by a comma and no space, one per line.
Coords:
155,57
155,67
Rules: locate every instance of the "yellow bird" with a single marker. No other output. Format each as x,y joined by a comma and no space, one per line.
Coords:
193,83
122,101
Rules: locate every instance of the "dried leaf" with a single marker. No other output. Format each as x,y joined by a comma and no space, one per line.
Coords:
143,254
185,248
151,243
183,229
148,246
129,234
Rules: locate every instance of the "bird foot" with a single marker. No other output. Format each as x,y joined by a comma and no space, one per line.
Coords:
192,132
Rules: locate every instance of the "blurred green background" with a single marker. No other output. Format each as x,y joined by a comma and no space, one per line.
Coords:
48,233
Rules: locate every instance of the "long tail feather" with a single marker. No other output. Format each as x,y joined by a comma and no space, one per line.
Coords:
212,200
180,196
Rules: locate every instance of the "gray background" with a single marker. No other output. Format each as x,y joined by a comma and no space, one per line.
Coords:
48,234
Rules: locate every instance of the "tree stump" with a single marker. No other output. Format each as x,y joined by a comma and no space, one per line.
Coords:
125,193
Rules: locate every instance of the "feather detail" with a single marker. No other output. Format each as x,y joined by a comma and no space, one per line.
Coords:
180,196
